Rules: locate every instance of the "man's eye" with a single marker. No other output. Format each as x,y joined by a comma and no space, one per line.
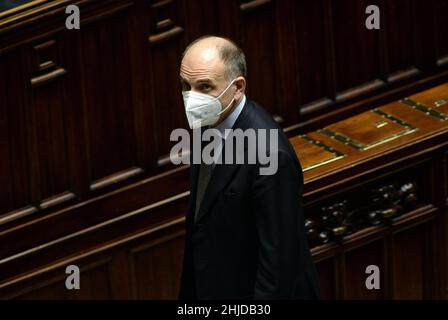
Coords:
185,87
205,87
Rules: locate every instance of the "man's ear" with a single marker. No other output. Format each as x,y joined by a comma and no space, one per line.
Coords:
240,84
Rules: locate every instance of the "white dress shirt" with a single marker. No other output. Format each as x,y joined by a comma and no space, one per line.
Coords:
228,122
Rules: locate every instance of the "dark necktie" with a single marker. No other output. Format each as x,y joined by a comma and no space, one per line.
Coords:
205,171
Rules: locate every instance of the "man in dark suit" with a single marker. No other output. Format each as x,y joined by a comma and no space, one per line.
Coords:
245,234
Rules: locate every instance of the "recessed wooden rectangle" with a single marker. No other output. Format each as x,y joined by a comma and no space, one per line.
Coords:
114,178
369,129
313,153
57,199
20,213
432,102
403,74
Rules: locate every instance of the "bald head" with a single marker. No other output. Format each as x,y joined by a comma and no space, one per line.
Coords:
227,51
209,65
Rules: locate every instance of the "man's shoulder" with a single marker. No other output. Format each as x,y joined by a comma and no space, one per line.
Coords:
258,117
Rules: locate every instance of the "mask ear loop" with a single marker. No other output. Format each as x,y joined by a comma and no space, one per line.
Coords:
217,98
224,110
230,84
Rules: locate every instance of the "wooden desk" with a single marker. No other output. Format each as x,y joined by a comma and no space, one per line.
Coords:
376,194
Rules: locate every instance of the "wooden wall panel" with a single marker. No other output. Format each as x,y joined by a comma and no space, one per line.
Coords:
210,22
443,235
141,262
409,264
286,64
257,39
95,284
445,192
74,114
156,268
48,108
327,271
425,37
356,262
108,98
165,49
357,58
441,31
376,243
14,138
168,106
51,158
314,55
402,44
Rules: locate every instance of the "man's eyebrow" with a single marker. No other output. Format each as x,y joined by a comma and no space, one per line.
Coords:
199,81
205,80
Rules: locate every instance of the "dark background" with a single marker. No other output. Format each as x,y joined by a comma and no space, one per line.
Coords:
85,119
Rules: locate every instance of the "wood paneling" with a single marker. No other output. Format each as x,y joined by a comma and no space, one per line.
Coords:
409,264
314,55
109,106
402,44
354,42
257,38
49,108
164,58
156,267
327,278
86,115
14,137
356,262
441,31
95,285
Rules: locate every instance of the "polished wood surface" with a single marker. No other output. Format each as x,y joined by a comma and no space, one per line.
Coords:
376,196
372,133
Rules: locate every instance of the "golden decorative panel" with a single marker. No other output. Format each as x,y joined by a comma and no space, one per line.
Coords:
313,153
368,130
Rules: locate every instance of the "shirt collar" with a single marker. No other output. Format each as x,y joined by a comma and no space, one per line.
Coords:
228,122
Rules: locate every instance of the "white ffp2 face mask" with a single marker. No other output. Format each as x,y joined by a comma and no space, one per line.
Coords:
203,109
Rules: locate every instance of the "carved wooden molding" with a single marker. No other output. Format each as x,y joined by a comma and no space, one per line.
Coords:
46,68
41,10
21,15
337,220
109,223
403,74
166,35
116,177
163,28
252,5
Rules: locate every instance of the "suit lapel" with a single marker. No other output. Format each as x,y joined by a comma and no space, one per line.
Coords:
194,178
222,174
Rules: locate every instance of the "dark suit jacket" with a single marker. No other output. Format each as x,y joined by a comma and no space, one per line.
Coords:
249,242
